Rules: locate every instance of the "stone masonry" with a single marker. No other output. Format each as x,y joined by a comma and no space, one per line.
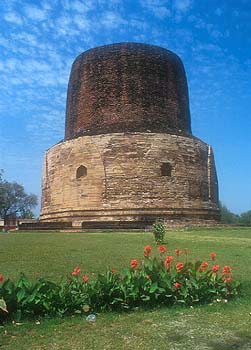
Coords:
129,156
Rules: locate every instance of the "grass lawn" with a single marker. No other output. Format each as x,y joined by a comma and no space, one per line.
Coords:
221,326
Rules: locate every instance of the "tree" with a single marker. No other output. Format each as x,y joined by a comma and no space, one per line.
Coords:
245,218
226,216
14,200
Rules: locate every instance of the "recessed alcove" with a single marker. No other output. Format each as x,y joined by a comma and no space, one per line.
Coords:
166,169
81,172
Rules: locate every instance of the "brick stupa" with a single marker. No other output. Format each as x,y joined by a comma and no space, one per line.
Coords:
128,157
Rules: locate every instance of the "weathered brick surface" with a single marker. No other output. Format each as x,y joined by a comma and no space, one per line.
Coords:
124,181
128,125
127,87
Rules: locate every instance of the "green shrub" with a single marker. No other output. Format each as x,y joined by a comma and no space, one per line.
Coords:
162,280
159,231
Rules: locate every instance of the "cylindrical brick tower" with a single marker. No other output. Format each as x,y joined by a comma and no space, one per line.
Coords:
129,157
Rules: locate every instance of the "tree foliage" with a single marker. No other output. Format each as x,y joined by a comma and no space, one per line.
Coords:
245,218
227,217
14,199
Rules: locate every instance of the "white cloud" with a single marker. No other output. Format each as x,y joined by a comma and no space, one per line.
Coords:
216,34
35,13
46,5
218,11
81,6
27,38
112,19
161,12
197,22
48,126
65,4
36,66
158,8
65,25
182,5
5,43
13,18
138,24
11,64
82,22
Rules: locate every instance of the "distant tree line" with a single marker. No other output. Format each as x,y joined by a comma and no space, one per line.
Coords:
227,217
14,200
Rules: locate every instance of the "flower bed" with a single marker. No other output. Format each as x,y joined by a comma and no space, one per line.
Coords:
163,280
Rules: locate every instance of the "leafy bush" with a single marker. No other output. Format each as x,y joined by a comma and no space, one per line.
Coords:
159,231
162,280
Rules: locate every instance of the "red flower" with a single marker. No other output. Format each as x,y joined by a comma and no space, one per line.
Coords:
76,271
162,249
85,278
213,256
215,268
226,270
203,266
228,279
1,278
147,250
177,252
179,266
113,270
177,285
134,263
168,260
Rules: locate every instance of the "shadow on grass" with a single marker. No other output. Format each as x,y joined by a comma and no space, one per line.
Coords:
238,342
176,337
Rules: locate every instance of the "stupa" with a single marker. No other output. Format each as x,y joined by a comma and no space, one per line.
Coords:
128,157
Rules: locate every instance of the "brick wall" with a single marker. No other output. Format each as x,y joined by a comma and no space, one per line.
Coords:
125,88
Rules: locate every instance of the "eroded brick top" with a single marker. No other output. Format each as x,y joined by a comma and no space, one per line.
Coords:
127,87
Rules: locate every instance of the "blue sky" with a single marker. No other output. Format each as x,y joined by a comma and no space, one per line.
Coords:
40,39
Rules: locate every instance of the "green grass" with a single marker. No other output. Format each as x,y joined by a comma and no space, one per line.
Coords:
214,327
